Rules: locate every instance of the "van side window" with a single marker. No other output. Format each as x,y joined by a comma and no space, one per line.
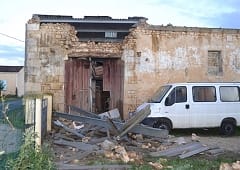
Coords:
229,94
177,95
204,94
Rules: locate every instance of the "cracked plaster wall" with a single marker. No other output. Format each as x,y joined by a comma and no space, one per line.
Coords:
155,56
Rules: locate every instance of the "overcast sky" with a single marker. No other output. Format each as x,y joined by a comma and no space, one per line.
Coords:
14,14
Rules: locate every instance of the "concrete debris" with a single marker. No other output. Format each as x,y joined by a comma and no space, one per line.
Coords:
236,165
76,126
107,145
180,141
195,137
156,165
227,166
2,152
112,114
121,153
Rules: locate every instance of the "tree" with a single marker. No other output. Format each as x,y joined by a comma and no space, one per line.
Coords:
2,86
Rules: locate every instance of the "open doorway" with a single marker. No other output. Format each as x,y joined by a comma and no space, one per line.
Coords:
101,98
94,84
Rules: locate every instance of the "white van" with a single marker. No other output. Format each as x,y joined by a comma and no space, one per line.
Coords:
196,105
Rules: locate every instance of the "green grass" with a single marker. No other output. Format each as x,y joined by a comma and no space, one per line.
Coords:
31,157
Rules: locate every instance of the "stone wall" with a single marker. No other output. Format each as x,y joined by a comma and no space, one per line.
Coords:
155,55
47,47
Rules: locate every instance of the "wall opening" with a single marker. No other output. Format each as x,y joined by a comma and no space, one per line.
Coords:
94,84
215,63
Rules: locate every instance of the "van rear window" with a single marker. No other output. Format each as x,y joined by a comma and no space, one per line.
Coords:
204,94
229,94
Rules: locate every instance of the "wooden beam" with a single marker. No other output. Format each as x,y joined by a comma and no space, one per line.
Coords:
62,166
79,145
193,152
137,118
83,112
113,128
177,150
73,131
142,129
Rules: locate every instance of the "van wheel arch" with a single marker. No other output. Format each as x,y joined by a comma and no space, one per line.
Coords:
163,123
228,126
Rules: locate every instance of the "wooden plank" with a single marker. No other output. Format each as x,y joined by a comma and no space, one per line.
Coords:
177,150
113,128
78,156
142,129
83,112
58,123
137,118
80,145
97,140
216,151
62,166
193,152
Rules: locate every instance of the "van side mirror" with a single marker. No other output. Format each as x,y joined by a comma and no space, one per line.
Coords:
167,103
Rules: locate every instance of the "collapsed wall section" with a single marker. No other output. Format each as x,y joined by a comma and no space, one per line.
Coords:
48,45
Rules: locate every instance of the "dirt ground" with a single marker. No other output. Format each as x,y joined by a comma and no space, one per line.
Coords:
227,143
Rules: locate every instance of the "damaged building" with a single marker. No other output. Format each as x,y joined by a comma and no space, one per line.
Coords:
99,63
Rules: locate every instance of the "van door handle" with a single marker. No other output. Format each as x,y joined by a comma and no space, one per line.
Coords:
187,106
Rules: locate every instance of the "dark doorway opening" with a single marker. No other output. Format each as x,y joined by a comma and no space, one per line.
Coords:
101,99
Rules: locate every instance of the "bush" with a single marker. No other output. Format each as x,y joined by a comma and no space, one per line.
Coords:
32,157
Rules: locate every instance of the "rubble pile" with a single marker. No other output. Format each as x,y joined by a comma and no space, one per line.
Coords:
82,136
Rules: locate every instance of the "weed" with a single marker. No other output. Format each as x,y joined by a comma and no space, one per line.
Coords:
32,157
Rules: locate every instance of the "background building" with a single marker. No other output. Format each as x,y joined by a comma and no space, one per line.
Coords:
99,63
13,78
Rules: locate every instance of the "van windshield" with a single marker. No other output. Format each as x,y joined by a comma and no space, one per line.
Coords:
159,94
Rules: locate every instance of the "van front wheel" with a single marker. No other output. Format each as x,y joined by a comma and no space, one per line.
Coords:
228,128
162,124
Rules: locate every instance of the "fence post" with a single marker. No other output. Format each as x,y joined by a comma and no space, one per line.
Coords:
49,111
38,121
38,116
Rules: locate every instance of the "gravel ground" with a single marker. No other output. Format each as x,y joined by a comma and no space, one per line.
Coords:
10,139
231,144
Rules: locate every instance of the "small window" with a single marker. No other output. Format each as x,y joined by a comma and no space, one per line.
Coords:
215,63
229,94
177,95
3,84
111,34
204,94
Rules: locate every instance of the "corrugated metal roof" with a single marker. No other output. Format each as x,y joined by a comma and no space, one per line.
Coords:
10,68
86,19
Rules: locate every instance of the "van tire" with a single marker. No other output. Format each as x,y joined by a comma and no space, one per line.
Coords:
228,128
163,124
